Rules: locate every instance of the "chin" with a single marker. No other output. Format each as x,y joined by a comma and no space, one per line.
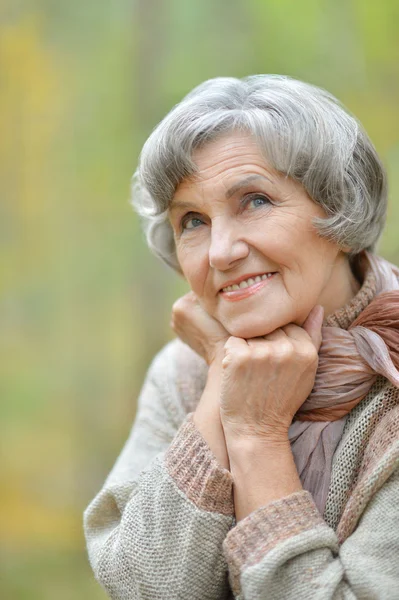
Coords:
251,328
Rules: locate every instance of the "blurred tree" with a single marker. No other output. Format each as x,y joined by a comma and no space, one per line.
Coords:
84,304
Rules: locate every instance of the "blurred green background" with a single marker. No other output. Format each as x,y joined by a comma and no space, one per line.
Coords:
84,306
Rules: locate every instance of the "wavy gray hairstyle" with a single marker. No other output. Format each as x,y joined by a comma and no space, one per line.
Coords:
302,130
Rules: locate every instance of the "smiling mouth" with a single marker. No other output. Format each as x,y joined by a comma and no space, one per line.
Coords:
246,283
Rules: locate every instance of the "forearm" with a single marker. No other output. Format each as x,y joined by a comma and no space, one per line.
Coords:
166,506
178,512
286,550
207,416
263,471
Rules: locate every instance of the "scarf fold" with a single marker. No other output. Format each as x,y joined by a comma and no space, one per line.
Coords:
349,363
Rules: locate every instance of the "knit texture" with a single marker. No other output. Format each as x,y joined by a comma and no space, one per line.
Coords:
162,526
209,487
359,429
344,316
267,527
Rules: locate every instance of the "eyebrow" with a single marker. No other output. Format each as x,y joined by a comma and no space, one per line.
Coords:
230,192
243,183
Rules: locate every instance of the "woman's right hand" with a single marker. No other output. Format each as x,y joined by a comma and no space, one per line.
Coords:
196,328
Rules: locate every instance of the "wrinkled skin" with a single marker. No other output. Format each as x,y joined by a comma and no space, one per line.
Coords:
266,343
194,326
264,380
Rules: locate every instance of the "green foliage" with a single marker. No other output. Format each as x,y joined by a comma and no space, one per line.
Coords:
84,304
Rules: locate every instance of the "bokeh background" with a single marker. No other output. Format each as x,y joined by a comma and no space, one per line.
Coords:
84,306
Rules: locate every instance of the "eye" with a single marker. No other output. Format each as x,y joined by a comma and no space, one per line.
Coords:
190,222
255,200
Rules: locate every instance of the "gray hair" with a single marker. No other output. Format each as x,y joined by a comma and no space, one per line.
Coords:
302,130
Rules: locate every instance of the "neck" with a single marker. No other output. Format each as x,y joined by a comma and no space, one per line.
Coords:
342,286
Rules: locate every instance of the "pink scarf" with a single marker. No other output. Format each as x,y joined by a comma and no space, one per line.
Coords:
349,363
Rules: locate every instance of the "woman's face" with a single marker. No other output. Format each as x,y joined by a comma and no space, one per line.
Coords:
246,244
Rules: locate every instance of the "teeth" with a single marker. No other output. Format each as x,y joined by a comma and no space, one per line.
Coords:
248,282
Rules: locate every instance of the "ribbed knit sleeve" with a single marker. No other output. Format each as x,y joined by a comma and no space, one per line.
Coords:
286,551
156,528
197,473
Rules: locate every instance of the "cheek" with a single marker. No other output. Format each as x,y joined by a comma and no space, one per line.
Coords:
297,245
194,267
281,236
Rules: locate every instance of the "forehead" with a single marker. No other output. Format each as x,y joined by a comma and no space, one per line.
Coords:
222,160
228,151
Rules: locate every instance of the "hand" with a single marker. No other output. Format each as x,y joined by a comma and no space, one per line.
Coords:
195,327
265,380
207,337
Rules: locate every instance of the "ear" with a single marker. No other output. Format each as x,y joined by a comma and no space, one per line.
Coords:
345,249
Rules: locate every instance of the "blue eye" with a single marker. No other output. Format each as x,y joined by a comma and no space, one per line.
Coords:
257,200
191,222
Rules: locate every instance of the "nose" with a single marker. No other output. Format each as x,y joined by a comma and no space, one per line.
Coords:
227,246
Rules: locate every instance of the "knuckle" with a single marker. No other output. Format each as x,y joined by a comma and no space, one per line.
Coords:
309,354
242,356
228,343
177,305
284,351
260,353
238,354
181,306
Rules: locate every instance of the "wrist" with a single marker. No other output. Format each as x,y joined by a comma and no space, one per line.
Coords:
208,407
253,446
207,418
270,436
215,355
263,471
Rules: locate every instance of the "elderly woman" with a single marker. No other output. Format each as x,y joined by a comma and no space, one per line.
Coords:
263,461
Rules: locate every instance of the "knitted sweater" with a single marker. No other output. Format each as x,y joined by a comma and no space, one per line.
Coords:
163,528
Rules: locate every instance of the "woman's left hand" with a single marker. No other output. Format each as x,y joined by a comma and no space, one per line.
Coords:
265,380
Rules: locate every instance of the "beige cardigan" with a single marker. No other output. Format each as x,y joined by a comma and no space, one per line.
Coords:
162,526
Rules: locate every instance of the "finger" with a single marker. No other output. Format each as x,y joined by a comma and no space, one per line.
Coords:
235,343
295,332
258,341
259,344
313,325
274,336
280,346
235,349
